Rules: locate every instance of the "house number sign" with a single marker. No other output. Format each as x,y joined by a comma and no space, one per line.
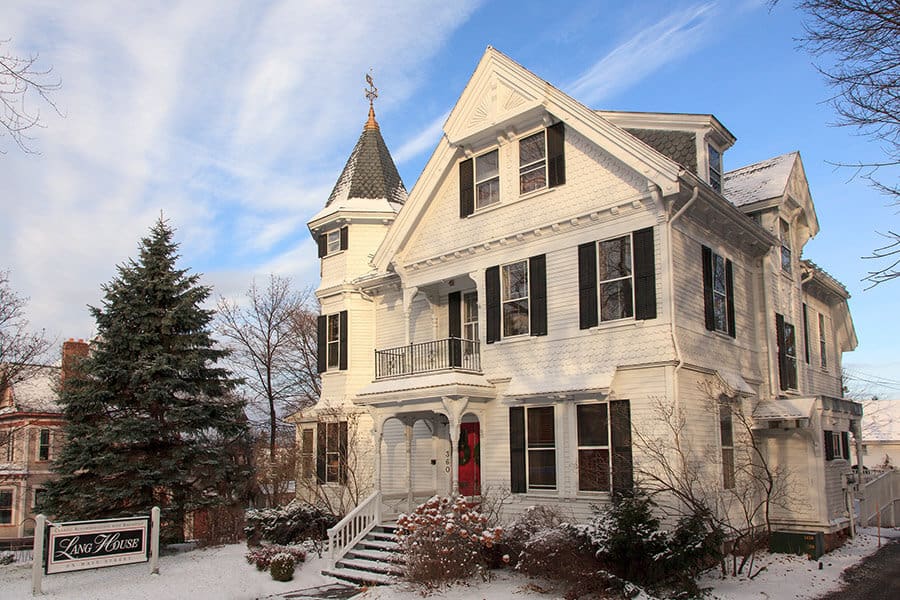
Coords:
90,544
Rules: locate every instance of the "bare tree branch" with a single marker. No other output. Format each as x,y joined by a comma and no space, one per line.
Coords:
21,350
21,79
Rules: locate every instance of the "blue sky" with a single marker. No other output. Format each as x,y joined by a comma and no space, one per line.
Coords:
235,119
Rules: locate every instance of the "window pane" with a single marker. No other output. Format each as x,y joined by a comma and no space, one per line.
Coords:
728,468
725,425
593,470
334,328
616,300
615,258
488,192
542,469
534,178
515,317
593,425
720,312
718,273
332,434
789,342
540,427
487,166
332,466
334,241
470,307
515,280
531,149
6,501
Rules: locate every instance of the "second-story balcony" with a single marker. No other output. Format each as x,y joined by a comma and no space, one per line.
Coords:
449,354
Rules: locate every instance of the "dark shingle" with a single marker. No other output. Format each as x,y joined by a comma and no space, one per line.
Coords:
680,146
370,171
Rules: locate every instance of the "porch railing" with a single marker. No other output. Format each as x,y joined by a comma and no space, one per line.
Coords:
353,527
428,357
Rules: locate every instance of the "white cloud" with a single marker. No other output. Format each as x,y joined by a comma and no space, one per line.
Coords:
651,48
425,140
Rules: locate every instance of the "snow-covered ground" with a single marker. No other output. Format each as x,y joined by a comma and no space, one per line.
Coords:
222,573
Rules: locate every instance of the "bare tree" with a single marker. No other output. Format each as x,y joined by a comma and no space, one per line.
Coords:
20,80
856,44
260,333
21,350
275,473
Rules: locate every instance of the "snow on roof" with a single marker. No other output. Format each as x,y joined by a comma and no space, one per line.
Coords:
37,393
362,205
881,420
759,181
825,275
435,380
784,408
524,386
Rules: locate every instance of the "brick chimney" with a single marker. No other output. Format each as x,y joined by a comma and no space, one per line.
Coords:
73,351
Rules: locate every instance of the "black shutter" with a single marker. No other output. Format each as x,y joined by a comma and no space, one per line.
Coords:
320,452
345,234
466,188
829,446
323,245
729,297
492,303
587,285
517,483
537,290
782,355
644,275
622,470
343,345
342,451
708,309
806,332
322,343
845,444
454,316
556,158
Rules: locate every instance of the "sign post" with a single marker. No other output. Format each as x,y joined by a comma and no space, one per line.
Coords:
154,541
38,555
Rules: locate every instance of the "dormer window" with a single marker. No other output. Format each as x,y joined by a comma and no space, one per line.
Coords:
715,168
487,179
333,241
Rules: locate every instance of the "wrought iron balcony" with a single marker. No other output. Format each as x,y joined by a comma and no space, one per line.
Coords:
450,354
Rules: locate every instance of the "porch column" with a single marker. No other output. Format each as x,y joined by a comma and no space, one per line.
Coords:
408,295
408,427
377,437
454,408
856,427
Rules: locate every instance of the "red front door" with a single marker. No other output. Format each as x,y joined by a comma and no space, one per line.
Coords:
469,460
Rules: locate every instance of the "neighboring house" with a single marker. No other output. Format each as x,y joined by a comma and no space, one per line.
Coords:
30,436
555,274
881,434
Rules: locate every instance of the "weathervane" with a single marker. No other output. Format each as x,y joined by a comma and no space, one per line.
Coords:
371,91
371,94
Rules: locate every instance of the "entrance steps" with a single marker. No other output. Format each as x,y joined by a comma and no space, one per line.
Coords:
375,560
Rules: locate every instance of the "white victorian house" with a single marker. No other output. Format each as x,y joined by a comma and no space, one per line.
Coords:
557,274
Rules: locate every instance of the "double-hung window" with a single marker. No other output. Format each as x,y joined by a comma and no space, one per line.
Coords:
331,452
487,179
823,347
726,437
616,279
787,353
10,449
514,285
604,446
306,453
470,316
333,241
837,445
715,168
718,292
6,506
785,235
39,495
541,445
44,445
533,162
332,341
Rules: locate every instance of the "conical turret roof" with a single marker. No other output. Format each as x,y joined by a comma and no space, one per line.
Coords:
370,172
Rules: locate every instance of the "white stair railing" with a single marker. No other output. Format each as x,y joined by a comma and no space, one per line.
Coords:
879,496
353,527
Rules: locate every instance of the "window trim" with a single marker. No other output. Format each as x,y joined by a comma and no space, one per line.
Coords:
533,165
529,449
717,184
478,206
34,497
307,456
333,362
12,505
823,343
728,471
10,445
601,282
504,300
608,447
727,294
334,427
469,327
784,234
332,242
43,449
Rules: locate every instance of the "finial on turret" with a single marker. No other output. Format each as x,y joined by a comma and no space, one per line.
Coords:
371,94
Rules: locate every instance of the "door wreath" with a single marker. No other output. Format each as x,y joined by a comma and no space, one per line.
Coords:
465,451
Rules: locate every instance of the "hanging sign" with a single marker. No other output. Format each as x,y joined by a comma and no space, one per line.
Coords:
81,545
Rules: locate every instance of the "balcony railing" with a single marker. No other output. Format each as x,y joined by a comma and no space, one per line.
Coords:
428,357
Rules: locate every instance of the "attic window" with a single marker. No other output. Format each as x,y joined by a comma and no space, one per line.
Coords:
532,163
487,179
715,168
785,235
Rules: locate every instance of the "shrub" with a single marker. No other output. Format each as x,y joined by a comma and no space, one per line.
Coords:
263,556
442,541
282,567
287,524
535,520
7,558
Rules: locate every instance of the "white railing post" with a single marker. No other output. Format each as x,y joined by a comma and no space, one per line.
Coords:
154,540
37,560
353,527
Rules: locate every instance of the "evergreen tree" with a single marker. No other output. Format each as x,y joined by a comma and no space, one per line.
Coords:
149,417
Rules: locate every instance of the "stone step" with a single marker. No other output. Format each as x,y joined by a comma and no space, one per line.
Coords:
380,535
392,557
373,566
360,577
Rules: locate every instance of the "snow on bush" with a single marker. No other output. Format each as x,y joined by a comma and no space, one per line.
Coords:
282,567
287,524
263,556
442,541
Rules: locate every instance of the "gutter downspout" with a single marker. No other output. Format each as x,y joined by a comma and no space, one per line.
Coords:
671,266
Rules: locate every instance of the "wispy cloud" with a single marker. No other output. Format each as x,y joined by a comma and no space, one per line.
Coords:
424,140
674,37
